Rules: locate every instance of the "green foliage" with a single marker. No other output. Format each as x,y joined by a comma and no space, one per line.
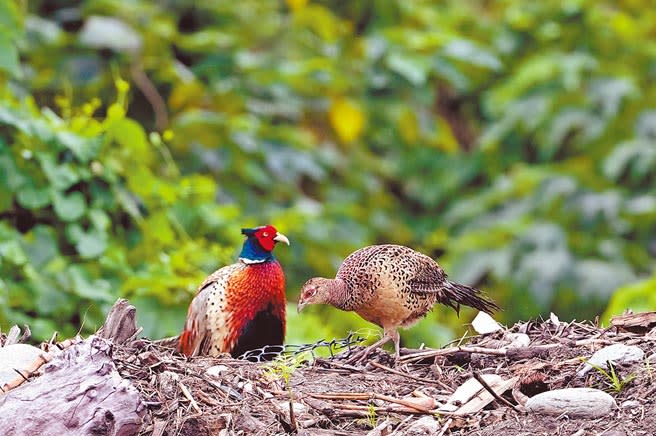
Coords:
283,367
639,297
513,140
613,382
90,214
10,31
372,418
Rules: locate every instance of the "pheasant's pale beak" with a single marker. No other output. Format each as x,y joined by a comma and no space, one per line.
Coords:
300,306
281,238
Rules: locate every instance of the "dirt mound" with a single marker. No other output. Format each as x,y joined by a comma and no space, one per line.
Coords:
206,395
422,393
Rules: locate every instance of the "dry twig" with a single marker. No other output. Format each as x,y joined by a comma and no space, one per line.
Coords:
187,394
410,376
369,396
492,392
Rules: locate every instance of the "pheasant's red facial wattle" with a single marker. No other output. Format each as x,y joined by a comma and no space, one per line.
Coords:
265,236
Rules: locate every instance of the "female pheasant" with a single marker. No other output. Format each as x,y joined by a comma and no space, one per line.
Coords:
239,307
392,286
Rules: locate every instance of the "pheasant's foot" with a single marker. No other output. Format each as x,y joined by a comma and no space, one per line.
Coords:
361,356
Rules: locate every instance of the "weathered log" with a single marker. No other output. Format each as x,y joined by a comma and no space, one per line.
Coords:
79,393
12,336
121,323
635,322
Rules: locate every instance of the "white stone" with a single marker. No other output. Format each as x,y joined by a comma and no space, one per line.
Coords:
518,340
16,356
470,397
168,381
299,408
216,370
467,391
616,353
381,429
630,404
424,425
248,387
573,402
484,324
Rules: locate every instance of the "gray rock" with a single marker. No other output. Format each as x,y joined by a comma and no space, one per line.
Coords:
16,356
630,404
424,425
614,433
574,402
616,353
518,340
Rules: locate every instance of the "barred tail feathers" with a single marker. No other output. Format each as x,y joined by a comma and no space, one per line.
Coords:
170,342
457,294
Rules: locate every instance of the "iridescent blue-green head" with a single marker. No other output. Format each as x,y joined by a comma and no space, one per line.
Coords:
260,242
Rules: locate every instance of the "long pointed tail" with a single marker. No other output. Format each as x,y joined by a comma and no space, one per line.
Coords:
170,342
457,294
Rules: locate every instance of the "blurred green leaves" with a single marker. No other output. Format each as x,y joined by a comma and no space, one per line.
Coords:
75,236
10,30
511,140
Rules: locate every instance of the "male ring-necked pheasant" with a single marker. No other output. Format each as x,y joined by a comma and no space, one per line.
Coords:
239,307
392,286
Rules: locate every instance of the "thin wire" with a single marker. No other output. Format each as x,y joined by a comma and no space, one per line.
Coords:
270,352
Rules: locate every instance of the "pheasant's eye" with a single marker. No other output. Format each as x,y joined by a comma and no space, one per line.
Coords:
265,234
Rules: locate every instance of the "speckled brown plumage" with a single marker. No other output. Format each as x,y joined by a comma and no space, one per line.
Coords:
391,286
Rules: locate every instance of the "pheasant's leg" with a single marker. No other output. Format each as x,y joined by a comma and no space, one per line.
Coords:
394,335
362,355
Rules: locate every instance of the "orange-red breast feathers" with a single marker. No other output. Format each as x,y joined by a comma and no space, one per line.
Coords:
239,307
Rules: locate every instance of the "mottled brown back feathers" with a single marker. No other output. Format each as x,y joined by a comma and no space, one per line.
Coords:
409,280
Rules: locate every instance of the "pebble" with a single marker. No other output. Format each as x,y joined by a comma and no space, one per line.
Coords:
383,429
299,408
467,390
424,425
484,324
518,340
614,433
168,381
248,387
16,356
573,402
216,370
630,404
616,353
